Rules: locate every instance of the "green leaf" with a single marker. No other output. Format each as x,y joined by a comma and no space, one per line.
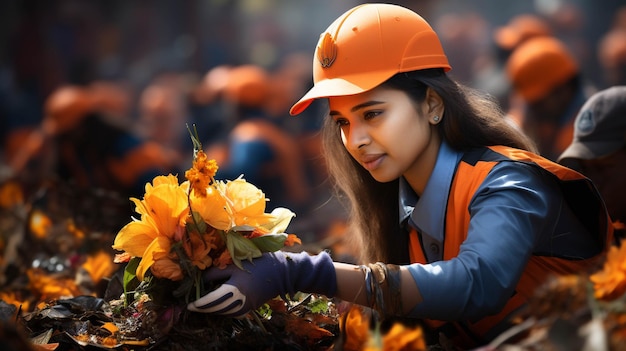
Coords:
195,139
130,275
241,248
319,305
270,242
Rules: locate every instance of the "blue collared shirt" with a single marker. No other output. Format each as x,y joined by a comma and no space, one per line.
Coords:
517,211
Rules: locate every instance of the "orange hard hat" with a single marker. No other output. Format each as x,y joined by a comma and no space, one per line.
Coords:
538,66
66,107
368,45
247,85
519,29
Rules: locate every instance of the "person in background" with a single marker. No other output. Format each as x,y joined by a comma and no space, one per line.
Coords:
91,149
257,147
163,116
505,39
545,75
599,149
456,220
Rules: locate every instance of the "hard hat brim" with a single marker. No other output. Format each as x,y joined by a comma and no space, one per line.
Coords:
340,87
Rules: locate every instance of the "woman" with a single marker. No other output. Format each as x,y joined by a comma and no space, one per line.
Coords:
443,190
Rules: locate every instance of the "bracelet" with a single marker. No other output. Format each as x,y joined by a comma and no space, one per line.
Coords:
368,285
385,288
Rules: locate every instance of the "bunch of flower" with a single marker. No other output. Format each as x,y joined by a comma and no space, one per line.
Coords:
201,223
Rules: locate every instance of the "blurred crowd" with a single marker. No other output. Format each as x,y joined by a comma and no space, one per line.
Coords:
70,111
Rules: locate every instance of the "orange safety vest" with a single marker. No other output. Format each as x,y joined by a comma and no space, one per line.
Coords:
580,194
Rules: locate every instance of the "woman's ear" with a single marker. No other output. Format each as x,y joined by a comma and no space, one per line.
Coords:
434,103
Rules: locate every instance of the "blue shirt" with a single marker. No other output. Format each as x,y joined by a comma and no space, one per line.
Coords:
517,211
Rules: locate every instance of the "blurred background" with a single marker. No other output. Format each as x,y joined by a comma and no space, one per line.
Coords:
153,67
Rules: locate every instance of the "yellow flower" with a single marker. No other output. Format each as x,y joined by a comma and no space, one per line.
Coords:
247,203
212,207
163,210
157,250
610,282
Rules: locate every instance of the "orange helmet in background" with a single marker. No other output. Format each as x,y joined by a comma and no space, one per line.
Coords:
519,29
538,66
247,85
66,107
368,45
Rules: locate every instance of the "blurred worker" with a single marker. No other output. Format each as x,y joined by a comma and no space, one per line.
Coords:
258,148
546,76
599,148
163,116
93,150
505,39
612,57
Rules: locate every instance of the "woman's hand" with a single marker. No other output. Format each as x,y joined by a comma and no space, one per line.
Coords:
272,274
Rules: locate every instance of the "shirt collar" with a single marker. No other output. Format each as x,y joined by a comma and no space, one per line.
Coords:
427,213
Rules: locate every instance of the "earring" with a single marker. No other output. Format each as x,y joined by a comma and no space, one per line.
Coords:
436,119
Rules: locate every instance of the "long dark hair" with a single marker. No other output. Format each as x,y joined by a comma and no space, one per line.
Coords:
471,119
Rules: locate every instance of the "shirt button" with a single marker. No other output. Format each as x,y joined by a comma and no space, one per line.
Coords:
434,248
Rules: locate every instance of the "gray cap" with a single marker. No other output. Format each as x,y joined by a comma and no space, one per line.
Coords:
600,127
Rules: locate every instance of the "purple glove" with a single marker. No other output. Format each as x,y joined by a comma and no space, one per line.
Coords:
271,275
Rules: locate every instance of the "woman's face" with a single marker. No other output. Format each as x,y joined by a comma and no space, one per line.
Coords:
388,134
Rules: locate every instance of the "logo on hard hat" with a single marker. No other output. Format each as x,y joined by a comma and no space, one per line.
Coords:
327,51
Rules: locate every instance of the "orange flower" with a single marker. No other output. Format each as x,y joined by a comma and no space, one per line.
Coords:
292,239
356,328
11,195
201,174
400,338
610,282
39,224
164,210
50,288
197,249
99,266
223,260
167,268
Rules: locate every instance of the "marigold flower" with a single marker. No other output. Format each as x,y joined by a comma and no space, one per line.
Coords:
198,247
610,282
201,173
223,260
292,239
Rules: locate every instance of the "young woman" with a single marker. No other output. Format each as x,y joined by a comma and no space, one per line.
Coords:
466,218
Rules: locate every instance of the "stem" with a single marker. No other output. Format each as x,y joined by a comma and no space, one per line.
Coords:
255,315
